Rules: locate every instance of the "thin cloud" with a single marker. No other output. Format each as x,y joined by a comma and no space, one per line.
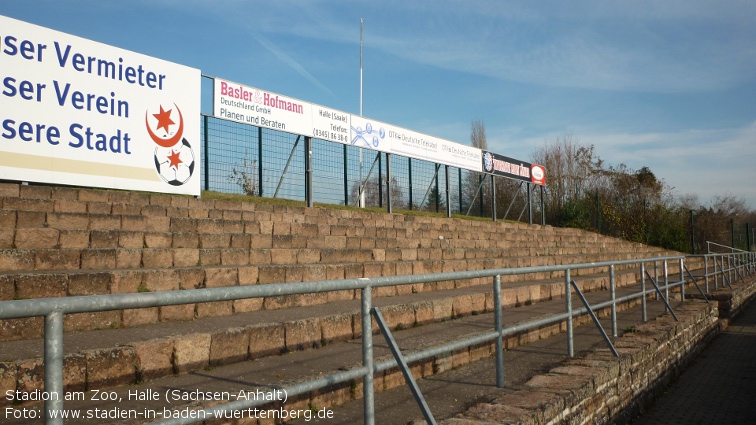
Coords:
288,60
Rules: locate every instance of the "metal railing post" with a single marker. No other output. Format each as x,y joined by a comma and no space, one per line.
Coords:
644,314
499,339
666,302
568,304
404,367
656,279
594,318
54,367
613,294
666,283
706,273
682,281
368,391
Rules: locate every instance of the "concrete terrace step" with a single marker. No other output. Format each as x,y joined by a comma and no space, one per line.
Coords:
102,358
257,222
277,371
36,284
114,231
272,252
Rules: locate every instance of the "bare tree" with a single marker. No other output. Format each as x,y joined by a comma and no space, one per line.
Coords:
372,191
573,169
478,134
472,180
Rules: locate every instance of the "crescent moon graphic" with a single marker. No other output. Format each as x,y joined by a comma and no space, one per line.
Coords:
166,143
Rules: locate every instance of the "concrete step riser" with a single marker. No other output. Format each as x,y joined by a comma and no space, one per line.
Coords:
138,362
60,284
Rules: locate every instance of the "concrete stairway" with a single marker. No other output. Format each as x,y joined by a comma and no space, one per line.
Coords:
57,242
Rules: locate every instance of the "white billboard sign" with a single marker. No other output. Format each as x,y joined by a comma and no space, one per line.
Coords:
461,156
330,124
253,106
257,107
83,113
369,134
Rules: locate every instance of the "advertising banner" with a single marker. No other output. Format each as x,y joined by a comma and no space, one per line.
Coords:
461,156
330,124
249,105
83,113
261,108
505,166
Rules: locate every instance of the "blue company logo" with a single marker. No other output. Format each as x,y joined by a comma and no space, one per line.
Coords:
488,161
361,137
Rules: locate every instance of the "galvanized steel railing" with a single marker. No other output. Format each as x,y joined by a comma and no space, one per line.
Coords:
727,268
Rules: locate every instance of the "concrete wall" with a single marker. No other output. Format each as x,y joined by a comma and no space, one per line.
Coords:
601,388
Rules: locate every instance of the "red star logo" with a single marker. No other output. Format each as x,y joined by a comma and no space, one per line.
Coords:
164,119
174,159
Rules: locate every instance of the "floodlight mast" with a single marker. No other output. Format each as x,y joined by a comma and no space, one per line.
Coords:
362,191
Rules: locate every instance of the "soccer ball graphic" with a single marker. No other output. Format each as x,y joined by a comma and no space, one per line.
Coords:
488,161
175,164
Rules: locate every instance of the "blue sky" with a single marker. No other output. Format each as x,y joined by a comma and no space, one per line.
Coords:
666,84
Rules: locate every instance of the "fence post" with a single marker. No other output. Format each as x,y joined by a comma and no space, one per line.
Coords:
530,205
706,272
54,367
459,188
435,189
568,305
368,391
656,279
644,315
346,178
692,234
543,208
493,197
207,152
666,283
613,295
380,180
448,192
482,191
409,166
499,338
260,160
389,207
732,232
308,170
682,281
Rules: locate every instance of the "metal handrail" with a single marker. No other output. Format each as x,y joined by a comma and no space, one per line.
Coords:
53,310
732,249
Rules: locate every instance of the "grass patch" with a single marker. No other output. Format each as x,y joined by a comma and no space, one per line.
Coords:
293,203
